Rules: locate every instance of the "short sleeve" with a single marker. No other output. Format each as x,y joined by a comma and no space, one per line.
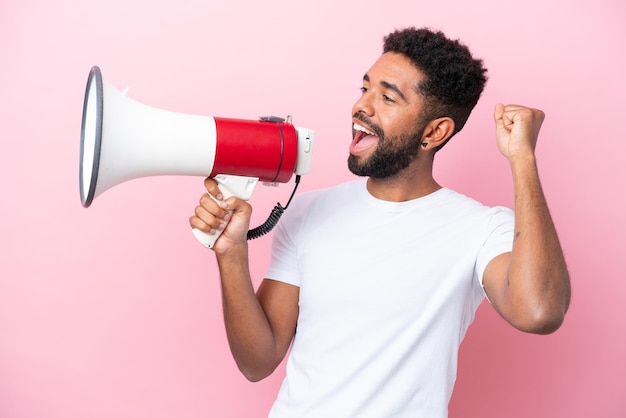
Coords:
499,238
284,265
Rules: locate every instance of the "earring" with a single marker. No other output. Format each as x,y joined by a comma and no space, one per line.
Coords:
424,144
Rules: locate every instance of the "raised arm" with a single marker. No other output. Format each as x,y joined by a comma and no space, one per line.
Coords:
259,326
530,286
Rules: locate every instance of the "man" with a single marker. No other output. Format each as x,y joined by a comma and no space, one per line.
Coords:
376,281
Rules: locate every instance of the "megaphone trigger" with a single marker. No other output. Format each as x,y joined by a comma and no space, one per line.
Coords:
229,185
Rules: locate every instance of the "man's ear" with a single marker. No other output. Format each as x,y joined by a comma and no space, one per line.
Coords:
437,132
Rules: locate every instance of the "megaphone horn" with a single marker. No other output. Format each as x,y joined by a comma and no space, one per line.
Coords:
122,139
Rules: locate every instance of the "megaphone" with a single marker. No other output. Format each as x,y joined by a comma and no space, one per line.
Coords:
122,139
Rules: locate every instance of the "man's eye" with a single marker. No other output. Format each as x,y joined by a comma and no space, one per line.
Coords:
388,99
363,89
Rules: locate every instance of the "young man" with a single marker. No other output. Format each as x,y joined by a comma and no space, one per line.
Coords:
375,281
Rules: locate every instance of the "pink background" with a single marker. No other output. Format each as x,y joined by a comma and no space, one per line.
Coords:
115,311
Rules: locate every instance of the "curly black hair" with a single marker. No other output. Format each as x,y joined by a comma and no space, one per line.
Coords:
454,80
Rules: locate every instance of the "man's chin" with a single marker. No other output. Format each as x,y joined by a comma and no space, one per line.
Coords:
356,166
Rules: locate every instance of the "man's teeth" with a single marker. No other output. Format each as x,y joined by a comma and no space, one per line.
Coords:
362,129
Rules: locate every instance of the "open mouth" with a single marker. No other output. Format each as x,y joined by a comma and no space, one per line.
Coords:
363,138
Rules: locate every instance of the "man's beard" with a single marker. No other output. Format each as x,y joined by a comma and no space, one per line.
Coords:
392,155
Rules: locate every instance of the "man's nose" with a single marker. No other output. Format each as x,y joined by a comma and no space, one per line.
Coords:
364,105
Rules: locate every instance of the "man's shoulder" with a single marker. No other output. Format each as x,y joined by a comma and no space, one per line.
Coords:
453,196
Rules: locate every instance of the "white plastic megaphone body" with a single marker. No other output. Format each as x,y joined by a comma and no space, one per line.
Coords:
122,139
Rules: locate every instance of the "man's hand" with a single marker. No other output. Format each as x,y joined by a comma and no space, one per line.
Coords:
517,129
232,216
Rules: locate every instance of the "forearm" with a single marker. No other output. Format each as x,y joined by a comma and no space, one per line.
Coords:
249,333
538,281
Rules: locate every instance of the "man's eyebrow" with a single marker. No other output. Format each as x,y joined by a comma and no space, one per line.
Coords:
388,86
393,87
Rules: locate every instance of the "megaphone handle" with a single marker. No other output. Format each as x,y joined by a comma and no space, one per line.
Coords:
208,240
229,185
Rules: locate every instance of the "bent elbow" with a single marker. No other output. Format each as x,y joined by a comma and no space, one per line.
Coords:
254,377
542,321
255,374
543,311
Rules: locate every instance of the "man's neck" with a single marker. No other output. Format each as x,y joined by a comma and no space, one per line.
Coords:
411,183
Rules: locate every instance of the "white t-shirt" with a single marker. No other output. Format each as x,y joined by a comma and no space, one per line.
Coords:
387,292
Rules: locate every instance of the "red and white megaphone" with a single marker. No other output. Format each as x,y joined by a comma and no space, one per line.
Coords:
122,139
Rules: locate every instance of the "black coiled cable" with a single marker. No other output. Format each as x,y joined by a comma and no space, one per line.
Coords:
275,215
268,225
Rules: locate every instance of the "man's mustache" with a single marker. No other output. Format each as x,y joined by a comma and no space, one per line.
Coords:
371,126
